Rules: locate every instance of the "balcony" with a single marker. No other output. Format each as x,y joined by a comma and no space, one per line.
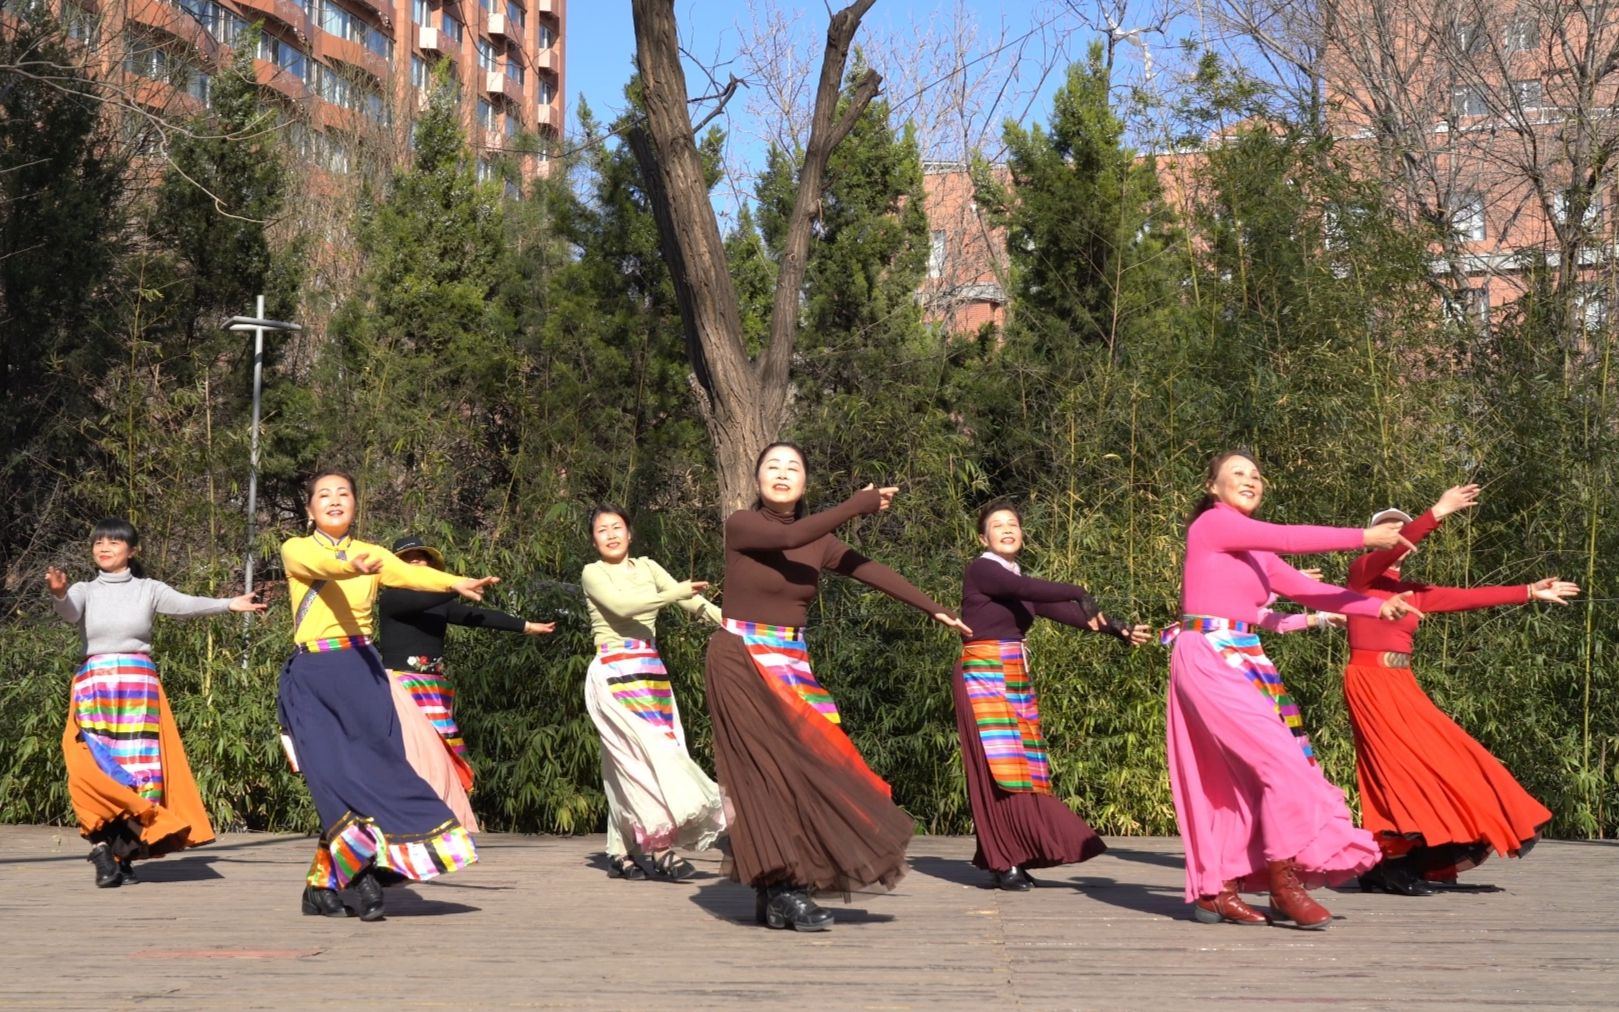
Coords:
497,83
331,47
548,117
433,40
281,79
287,12
178,23
546,59
545,7
498,27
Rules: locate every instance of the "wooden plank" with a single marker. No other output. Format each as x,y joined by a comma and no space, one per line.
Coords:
537,924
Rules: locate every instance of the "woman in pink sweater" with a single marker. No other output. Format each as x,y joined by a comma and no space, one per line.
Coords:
1254,810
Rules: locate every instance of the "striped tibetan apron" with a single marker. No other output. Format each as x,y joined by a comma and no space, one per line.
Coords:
781,653
115,704
1238,644
1007,714
638,681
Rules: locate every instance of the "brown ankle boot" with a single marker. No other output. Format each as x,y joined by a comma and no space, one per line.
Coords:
1289,900
1226,907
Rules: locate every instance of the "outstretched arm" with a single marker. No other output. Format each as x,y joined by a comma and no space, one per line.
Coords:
1291,583
173,603
749,531
1227,530
687,594
1371,565
458,613
1431,598
995,580
618,602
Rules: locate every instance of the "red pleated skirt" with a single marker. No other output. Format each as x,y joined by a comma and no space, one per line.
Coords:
1424,782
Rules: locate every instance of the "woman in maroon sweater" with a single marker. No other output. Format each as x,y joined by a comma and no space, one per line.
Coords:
1436,800
808,814
1020,824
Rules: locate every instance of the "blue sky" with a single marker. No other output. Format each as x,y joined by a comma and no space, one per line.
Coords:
1016,82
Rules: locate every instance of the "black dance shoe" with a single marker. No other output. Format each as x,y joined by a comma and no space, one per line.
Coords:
625,867
789,907
1013,880
126,867
108,874
369,892
1396,878
323,903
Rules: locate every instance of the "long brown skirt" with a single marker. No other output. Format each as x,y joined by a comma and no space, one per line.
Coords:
808,811
1016,829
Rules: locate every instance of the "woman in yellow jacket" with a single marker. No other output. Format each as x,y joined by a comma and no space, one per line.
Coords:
378,817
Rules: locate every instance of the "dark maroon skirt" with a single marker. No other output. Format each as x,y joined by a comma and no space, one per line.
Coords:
1015,828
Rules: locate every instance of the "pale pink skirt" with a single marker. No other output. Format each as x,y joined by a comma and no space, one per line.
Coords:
1244,792
430,757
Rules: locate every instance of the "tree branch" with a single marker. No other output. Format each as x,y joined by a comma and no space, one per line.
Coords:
827,128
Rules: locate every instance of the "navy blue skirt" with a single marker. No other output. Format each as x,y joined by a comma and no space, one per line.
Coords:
339,711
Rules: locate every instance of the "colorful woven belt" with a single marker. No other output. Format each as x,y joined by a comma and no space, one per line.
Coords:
1202,623
335,643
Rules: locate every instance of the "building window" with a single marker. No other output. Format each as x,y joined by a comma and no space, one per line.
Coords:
486,54
486,116
81,23
936,253
419,75
1567,202
548,37
334,87
514,66
421,12
516,14
200,87
1467,102
1467,218
1476,304
452,28
1523,33
547,89
486,170
147,56
1527,93
1591,306
284,55
1468,36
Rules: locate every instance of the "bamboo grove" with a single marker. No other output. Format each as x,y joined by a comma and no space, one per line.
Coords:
492,362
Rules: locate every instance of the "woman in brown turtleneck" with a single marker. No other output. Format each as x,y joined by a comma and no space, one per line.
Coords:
808,813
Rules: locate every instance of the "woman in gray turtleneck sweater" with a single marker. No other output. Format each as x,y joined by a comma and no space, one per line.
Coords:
127,774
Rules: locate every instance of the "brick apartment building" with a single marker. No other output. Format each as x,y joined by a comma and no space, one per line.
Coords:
346,68
1493,119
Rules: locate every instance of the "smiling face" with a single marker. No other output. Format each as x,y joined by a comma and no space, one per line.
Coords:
1238,484
111,554
331,505
781,478
612,537
1002,533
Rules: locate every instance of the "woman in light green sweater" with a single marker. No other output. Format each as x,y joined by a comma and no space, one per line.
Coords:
657,797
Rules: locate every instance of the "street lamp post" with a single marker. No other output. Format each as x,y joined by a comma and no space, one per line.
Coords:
258,325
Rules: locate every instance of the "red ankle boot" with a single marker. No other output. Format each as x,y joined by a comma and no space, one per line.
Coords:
1291,902
1227,907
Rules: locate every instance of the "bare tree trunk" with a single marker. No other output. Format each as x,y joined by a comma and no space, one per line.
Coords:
742,401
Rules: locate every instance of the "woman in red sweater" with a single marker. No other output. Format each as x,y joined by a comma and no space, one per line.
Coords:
1434,798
